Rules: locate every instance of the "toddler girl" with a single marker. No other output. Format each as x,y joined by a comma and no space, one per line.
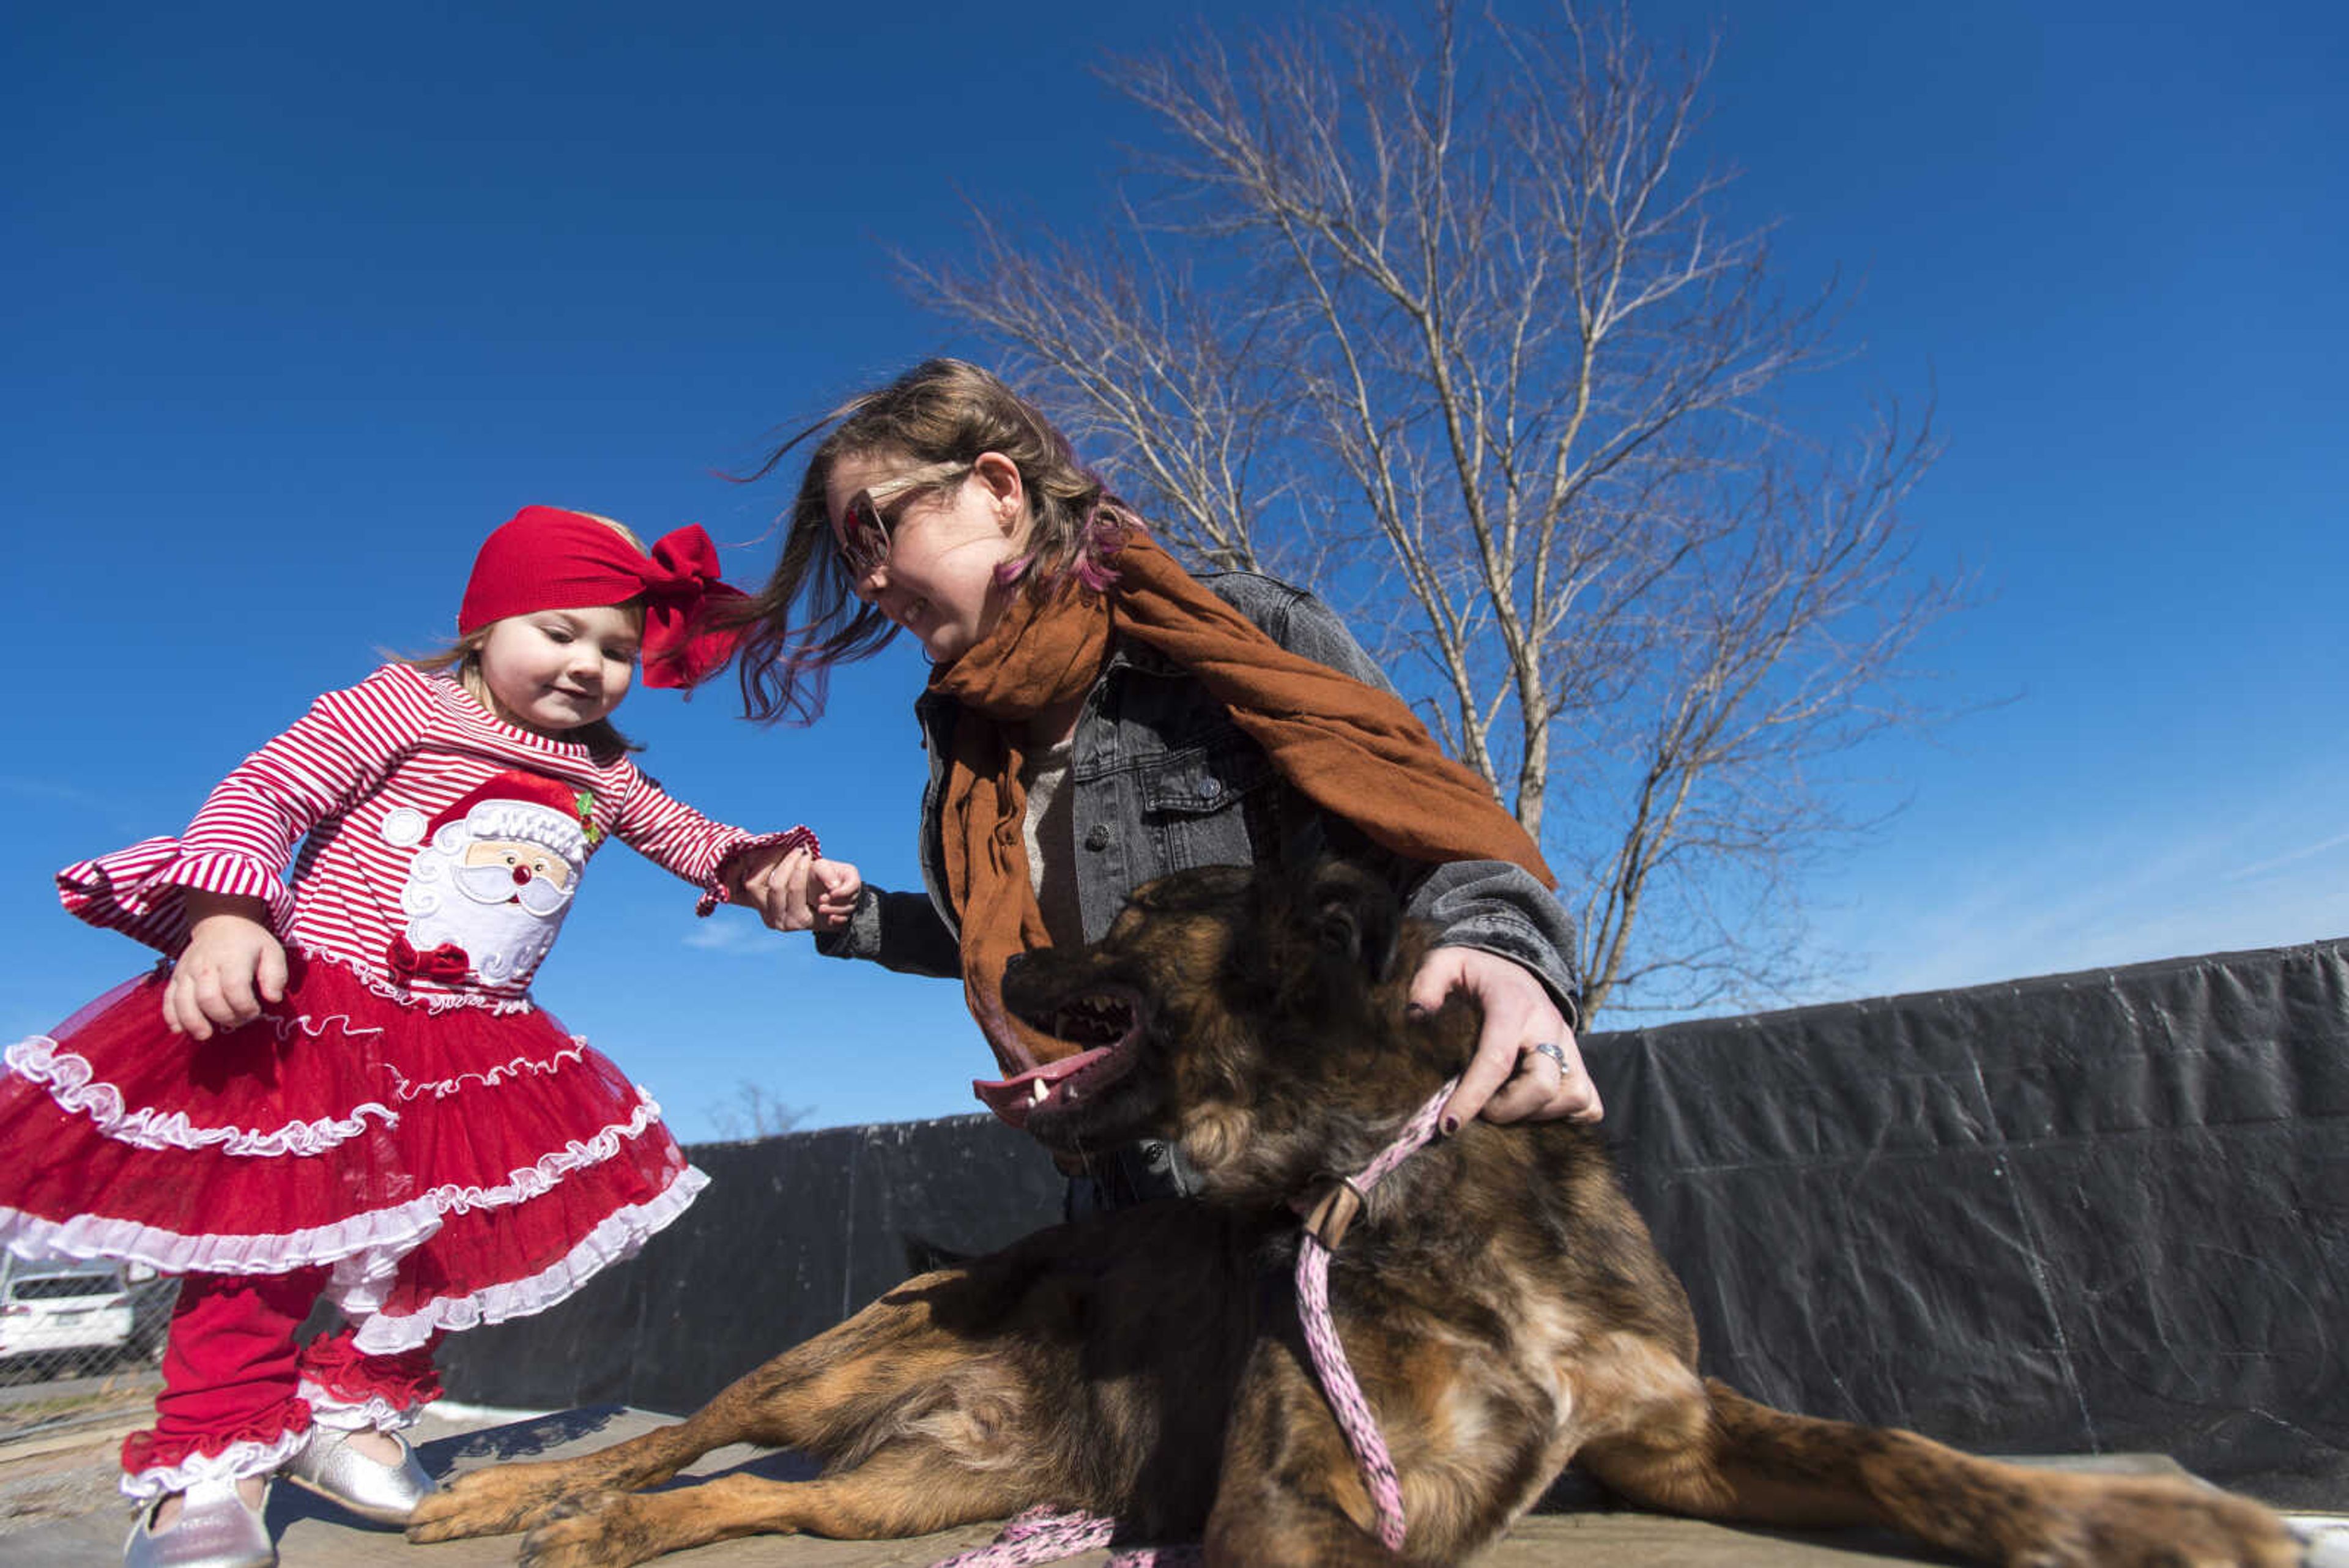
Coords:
342,1085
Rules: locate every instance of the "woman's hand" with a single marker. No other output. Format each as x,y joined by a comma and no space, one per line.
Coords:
1510,1079
230,966
838,885
798,892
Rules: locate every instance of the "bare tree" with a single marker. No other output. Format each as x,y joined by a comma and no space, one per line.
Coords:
755,1112
1450,285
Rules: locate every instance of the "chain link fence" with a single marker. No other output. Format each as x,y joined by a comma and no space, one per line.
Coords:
75,1339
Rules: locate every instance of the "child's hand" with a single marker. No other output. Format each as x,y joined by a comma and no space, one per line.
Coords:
797,892
751,873
230,966
777,886
837,886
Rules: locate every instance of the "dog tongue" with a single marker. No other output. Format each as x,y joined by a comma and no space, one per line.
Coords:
1012,1099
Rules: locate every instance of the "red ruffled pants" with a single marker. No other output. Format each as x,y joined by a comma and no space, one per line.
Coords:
239,1398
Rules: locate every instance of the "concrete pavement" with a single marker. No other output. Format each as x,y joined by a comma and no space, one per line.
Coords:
59,1509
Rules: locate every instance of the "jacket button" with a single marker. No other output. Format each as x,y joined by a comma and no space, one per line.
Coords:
1210,788
1097,836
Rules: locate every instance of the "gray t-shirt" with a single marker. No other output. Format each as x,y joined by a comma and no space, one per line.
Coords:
1051,837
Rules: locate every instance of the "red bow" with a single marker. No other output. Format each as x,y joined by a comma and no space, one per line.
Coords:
547,558
446,964
678,592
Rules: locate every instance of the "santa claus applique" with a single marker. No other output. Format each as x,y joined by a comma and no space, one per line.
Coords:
494,875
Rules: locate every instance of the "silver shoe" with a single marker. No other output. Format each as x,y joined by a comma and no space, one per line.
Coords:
387,1494
2323,1539
214,1530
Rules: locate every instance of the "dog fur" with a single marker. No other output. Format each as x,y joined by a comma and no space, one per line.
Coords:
1500,1301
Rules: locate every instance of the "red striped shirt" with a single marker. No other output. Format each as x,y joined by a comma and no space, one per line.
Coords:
400,740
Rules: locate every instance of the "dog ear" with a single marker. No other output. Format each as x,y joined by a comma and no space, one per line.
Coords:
1356,918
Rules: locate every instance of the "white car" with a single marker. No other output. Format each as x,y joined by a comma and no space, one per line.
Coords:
70,1311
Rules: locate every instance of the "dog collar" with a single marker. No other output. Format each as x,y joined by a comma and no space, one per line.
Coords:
1330,1212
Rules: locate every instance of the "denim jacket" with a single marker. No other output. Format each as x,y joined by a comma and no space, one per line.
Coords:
1161,779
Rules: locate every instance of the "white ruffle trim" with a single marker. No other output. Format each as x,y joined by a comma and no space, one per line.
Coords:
392,1231
407,1088
375,1413
538,1180
362,1280
73,1084
430,1001
616,1239
366,1248
231,1464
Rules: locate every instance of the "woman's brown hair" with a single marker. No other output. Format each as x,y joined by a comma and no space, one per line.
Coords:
942,414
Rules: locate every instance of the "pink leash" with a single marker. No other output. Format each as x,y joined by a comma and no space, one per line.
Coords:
1042,1536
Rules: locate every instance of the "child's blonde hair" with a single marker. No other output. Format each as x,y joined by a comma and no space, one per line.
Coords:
941,414
601,738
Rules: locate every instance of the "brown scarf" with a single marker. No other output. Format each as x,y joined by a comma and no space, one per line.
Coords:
1353,750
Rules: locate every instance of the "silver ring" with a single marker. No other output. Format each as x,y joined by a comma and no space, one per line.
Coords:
1555,1053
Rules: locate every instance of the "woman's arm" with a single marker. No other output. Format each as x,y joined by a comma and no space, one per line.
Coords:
1505,940
901,932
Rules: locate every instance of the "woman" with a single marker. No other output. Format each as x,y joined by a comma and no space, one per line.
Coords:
1097,718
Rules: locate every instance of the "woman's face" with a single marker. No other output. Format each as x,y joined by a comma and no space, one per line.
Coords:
937,577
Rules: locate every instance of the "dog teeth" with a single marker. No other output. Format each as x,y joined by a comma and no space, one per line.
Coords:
1095,1018
1036,1093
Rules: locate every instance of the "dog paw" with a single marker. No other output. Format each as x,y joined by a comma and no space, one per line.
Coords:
2164,1525
475,1504
495,1501
597,1531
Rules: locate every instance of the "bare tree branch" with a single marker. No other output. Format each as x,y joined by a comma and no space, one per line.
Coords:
1454,289
754,1112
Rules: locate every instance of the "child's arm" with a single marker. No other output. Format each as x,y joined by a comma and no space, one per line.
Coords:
710,854
239,841
231,965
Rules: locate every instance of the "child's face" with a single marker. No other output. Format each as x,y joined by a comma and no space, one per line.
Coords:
553,670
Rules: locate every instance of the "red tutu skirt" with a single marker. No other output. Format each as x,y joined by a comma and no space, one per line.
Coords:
454,1166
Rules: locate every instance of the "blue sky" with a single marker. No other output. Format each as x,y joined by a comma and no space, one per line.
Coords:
299,301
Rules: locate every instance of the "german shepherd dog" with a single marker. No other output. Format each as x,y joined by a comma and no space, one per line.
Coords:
1501,1303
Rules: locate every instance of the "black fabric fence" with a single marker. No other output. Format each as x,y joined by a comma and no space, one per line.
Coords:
2085,1213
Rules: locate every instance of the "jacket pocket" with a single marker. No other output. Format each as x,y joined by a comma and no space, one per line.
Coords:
1208,806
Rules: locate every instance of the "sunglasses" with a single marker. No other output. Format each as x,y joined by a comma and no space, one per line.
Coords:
863,531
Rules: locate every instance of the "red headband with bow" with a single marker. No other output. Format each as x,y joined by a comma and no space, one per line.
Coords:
547,558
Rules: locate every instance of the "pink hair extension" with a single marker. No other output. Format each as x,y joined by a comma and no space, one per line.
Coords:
1104,532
